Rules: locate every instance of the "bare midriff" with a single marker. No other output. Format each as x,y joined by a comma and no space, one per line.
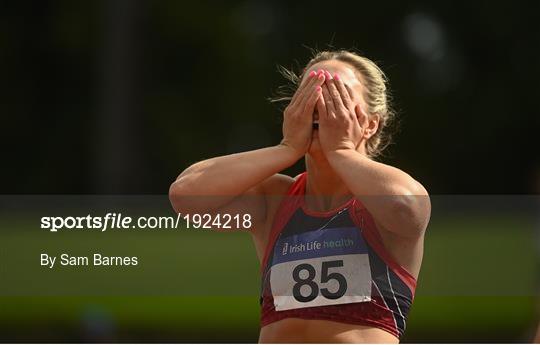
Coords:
293,330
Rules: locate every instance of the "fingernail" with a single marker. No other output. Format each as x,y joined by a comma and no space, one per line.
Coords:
318,88
320,72
312,73
328,75
336,76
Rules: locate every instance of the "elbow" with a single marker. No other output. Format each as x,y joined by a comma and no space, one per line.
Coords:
176,194
181,192
412,210
182,197
190,193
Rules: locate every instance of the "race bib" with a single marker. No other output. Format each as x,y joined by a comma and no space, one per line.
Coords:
322,267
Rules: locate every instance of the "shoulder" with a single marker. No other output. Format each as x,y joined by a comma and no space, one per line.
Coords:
404,208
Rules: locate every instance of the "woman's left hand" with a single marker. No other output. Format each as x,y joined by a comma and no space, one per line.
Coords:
339,117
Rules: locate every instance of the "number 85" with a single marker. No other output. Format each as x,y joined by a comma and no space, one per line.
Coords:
325,277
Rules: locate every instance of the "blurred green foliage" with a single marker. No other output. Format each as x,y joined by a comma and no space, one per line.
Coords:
119,96
476,285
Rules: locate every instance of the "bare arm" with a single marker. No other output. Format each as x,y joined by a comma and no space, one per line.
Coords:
394,198
210,185
237,182
398,202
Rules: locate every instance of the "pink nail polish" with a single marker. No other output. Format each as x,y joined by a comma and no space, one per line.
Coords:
336,76
328,75
312,73
318,88
320,72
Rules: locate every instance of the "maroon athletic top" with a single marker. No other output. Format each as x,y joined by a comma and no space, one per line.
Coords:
332,266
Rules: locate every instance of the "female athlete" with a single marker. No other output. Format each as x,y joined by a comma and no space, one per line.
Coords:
340,245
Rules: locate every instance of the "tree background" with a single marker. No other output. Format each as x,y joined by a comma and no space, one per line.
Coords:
119,96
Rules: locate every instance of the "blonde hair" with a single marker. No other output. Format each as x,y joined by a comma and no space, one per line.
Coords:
377,95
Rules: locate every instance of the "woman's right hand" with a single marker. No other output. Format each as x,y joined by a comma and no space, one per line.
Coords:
298,116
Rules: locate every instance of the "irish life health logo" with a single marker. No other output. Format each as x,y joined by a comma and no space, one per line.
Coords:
285,246
301,244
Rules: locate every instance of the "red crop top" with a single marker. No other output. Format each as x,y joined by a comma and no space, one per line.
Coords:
332,266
